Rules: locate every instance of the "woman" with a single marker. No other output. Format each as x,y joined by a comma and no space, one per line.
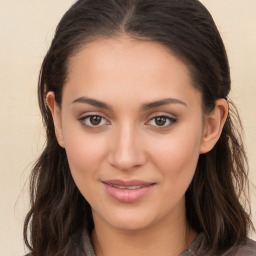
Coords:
142,156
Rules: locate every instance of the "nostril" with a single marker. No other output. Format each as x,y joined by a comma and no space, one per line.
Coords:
126,151
125,160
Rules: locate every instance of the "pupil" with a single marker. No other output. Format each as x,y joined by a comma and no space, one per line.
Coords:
95,120
160,121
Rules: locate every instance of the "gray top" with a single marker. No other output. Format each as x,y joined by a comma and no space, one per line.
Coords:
80,245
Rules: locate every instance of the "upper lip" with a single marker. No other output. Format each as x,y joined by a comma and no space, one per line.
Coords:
127,183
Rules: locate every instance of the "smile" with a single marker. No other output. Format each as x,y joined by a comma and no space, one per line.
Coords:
127,191
123,187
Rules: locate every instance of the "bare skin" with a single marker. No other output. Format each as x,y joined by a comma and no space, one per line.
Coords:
131,116
166,241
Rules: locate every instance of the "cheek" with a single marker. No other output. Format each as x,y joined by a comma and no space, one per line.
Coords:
85,152
176,158
85,157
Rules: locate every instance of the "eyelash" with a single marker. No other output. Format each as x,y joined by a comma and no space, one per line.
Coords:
166,118
85,118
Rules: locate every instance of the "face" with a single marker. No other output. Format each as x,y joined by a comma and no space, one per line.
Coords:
132,126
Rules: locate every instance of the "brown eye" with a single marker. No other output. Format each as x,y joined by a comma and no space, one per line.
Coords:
160,120
93,121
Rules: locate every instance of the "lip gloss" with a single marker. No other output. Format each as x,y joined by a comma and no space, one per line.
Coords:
127,192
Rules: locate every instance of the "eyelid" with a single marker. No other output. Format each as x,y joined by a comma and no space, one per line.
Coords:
169,117
91,113
88,115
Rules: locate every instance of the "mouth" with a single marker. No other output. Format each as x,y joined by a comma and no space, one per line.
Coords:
127,191
123,187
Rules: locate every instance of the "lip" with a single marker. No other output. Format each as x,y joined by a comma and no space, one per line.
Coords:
128,191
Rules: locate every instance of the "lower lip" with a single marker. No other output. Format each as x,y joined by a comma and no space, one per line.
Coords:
127,195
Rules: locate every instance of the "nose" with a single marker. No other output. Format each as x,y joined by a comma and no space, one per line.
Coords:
127,149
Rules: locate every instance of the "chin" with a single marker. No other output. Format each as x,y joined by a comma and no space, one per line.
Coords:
128,220
131,224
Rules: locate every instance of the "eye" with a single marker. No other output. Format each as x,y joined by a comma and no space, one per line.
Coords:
162,121
93,121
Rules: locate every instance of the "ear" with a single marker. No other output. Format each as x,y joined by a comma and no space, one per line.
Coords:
213,125
56,116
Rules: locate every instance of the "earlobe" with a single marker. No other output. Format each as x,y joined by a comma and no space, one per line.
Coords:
56,116
213,125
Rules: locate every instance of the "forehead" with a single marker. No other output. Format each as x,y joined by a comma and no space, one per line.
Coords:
106,52
127,67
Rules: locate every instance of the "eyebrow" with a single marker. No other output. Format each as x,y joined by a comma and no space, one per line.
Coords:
92,102
145,106
162,102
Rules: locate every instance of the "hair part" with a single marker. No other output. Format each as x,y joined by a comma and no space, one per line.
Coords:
186,28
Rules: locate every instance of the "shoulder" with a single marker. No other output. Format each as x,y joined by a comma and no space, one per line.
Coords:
248,248
199,248
79,245
75,245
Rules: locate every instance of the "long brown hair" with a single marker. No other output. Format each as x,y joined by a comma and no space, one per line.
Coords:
185,26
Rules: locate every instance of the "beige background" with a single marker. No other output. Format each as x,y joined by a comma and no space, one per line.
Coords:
26,31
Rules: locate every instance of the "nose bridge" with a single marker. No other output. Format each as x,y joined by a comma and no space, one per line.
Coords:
127,150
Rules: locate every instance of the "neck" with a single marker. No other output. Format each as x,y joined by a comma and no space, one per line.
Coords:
165,239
